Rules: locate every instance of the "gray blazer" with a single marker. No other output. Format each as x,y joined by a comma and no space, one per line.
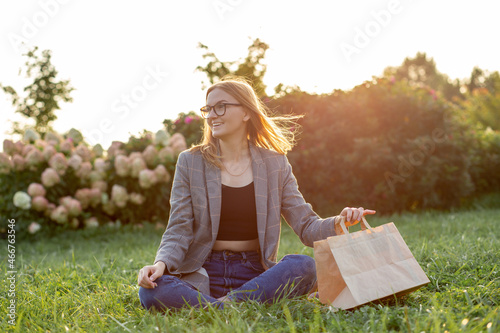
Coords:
195,202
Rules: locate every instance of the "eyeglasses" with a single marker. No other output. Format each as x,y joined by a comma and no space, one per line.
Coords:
219,109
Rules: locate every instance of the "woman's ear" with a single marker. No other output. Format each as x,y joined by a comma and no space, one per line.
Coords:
247,116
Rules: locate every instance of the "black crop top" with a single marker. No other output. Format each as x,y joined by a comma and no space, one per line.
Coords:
238,218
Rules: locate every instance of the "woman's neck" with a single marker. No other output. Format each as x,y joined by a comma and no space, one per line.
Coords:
234,151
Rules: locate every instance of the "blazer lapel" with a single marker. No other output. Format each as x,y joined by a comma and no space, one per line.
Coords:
213,180
260,182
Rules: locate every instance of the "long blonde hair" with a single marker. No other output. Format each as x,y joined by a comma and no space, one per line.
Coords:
271,132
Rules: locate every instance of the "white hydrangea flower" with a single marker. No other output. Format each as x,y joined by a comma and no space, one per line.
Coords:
22,200
161,137
34,227
30,136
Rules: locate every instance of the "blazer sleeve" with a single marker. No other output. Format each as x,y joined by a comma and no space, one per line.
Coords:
179,232
299,214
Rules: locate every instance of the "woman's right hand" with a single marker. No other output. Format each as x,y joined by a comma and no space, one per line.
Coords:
148,274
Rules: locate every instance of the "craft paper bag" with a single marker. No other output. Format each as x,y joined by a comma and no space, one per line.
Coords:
365,266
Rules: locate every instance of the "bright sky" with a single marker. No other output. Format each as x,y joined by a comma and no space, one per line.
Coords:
132,62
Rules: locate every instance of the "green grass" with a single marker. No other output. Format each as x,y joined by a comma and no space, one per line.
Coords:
86,281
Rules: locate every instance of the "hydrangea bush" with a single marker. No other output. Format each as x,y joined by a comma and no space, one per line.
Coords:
61,182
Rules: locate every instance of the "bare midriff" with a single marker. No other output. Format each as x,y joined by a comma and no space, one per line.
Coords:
237,246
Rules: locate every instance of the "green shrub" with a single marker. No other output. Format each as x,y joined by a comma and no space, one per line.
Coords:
383,145
485,160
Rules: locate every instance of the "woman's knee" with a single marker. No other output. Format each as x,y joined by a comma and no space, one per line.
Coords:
302,262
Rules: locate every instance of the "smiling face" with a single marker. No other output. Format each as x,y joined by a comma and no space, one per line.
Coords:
230,126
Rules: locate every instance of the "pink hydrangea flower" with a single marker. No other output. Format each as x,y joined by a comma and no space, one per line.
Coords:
73,206
83,152
66,146
60,215
41,144
95,196
50,208
39,203
137,166
19,163
85,169
162,174
136,198
122,166
48,152
91,222
34,227
27,149
50,177
83,195
59,163
178,143
114,149
75,161
34,158
6,164
119,195
65,201
101,185
166,155
8,147
188,120
147,178
149,155
100,165
35,189
134,154
19,147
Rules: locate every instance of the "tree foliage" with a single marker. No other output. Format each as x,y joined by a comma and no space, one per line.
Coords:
422,72
43,95
250,67
484,79
482,105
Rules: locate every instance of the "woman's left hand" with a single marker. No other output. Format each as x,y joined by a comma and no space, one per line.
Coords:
354,215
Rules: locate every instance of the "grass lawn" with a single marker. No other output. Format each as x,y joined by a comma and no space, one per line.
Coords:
86,281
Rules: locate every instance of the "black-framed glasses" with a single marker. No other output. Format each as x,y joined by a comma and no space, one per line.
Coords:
219,109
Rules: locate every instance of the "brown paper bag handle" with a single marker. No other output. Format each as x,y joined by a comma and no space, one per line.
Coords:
345,230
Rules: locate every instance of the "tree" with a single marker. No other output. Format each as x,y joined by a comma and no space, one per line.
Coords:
43,95
484,79
250,67
482,105
421,72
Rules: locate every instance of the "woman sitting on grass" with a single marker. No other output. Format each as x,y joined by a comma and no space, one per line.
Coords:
227,198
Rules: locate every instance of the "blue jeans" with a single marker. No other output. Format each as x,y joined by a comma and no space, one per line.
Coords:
240,276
